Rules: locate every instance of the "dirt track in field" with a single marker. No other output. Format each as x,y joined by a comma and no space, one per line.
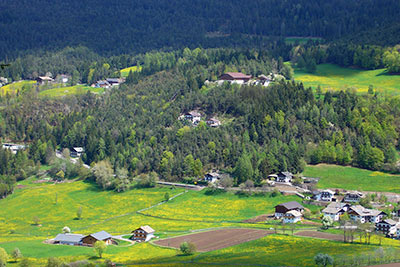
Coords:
217,239
321,235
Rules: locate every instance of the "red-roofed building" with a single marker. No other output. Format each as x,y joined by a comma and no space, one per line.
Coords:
234,76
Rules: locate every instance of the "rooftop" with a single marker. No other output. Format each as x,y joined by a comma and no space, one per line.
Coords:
75,238
102,235
291,205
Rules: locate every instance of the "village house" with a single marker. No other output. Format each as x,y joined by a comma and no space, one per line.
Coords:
292,216
142,234
211,177
213,122
3,81
325,195
396,213
68,239
282,177
193,116
353,197
234,77
14,148
115,81
102,84
388,227
264,80
62,78
41,80
335,210
363,215
282,209
89,240
76,152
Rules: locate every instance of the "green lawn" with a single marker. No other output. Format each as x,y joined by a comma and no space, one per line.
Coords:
220,207
333,77
70,90
12,88
333,176
125,72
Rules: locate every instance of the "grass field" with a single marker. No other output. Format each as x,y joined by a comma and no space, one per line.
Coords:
56,206
333,176
333,77
12,88
70,90
223,207
125,72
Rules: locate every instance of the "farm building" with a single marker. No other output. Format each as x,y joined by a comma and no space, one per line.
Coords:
68,239
335,210
213,122
44,80
76,152
325,195
193,116
234,77
115,81
396,212
282,209
143,233
282,177
13,147
292,216
353,197
89,240
363,215
388,227
62,78
211,177
102,84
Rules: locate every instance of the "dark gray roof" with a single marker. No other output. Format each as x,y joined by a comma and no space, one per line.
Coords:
102,235
74,238
390,221
291,205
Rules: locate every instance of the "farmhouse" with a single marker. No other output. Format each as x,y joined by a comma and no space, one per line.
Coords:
292,216
396,212
143,233
213,122
325,195
68,239
211,177
335,210
13,147
193,116
387,227
62,78
44,80
234,77
76,152
363,215
102,84
283,177
282,209
353,197
89,240
115,81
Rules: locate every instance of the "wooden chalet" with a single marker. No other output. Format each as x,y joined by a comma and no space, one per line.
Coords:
292,216
234,76
89,240
363,215
142,234
388,227
282,209
44,80
76,152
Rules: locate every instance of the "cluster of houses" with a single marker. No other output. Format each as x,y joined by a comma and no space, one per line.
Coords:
194,117
141,234
108,83
60,78
240,78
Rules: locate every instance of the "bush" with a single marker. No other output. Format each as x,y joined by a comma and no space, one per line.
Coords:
188,248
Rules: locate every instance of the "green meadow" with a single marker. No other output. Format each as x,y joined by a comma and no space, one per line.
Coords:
56,205
346,177
12,88
333,77
69,90
125,72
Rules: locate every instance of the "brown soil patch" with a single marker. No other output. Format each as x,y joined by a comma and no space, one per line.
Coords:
321,235
261,218
20,186
217,239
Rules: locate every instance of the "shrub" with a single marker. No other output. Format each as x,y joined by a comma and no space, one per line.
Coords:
188,248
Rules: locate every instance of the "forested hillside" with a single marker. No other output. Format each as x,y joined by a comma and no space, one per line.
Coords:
263,130
125,26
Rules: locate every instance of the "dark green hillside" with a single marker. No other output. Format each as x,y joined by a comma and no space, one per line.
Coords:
125,26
